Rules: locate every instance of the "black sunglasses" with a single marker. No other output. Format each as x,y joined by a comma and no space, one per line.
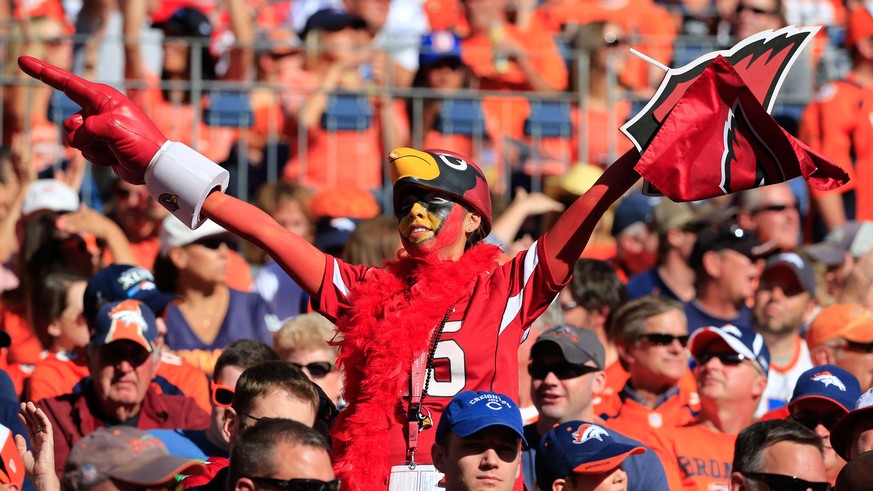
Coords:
317,369
724,358
858,347
811,420
787,483
299,484
754,10
130,352
776,208
212,242
662,339
563,371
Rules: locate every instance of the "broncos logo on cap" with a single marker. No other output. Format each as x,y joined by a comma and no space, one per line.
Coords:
828,379
589,432
128,322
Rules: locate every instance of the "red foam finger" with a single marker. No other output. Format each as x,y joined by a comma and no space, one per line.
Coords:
86,94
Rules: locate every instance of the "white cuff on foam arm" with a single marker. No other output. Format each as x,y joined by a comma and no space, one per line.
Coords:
180,179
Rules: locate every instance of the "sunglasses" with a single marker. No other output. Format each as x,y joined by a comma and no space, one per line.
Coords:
563,371
754,10
222,396
612,41
811,420
731,359
787,483
858,347
298,484
132,353
212,242
316,369
776,208
568,306
661,339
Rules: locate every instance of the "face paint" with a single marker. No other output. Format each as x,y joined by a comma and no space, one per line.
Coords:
426,217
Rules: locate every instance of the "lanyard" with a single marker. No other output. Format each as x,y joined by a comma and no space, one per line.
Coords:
418,381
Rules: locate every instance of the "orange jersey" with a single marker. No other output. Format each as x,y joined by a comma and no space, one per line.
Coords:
25,347
837,124
190,380
695,457
616,378
56,375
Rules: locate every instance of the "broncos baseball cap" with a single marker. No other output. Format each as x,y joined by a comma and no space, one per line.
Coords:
743,341
581,448
827,382
50,195
722,236
120,282
11,465
469,412
855,238
126,454
129,320
578,345
851,322
841,432
796,264
174,233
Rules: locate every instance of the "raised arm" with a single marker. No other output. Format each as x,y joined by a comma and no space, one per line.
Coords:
111,131
567,238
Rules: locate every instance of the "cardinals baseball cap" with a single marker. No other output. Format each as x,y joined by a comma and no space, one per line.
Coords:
841,432
581,448
174,233
120,282
855,238
851,322
743,341
126,454
128,320
11,467
794,263
50,195
578,345
827,382
469,412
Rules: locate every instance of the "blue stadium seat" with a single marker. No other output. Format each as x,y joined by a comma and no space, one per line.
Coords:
61,107
228,108
548,119
349,112
461,117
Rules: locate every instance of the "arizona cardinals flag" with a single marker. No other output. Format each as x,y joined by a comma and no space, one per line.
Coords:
718,139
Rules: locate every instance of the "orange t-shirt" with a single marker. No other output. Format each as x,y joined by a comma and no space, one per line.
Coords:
25,347
189,379
601,125
56,375
695,457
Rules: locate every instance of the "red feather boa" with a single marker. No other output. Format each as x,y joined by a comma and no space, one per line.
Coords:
395,312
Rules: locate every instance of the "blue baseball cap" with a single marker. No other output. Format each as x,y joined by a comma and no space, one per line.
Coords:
632,209
581,448
121,282
743,341
471,411
127,320
439,45
830,383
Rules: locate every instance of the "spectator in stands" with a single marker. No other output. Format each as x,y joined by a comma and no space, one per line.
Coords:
339,58
636,244
852,435
288,204
303,342
373,242
672,277
16,174
121,457
651,334
193,264
283,453
731,373
841,253
479,439
213,442
122,361
602,47
139,217
822,395
842,335
780,455
566,368
855,476
724,260
121,282
785,300
580,455
771,212
590,301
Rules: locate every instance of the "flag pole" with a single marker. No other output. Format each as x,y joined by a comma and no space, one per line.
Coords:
649,60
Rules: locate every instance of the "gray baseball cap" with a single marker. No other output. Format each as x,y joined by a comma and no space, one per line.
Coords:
578,345
856,238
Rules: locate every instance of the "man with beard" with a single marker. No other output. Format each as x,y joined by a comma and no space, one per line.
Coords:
784,301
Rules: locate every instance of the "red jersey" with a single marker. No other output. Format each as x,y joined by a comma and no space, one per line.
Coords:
696,457
480,337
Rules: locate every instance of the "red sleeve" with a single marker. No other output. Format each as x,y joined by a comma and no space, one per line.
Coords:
333,298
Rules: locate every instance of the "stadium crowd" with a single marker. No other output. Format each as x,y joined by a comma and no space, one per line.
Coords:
716,344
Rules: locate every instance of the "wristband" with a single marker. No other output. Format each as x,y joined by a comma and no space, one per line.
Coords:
180,179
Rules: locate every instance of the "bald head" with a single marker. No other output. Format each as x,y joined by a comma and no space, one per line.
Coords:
855,476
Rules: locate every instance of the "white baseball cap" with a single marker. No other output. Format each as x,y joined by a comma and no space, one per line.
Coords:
174,233
51,195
